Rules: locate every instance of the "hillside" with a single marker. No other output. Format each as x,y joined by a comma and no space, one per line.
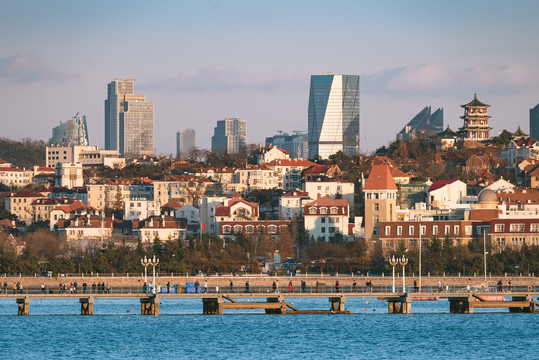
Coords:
24,153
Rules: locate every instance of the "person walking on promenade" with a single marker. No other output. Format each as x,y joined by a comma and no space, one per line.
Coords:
21,287
196,287
290,286
499,286
84,286
42,288
247,287
230,286
18,286
5,288
94,288
337,286
14,288
274,287
416,285
303,285
205,286
354,284
75,286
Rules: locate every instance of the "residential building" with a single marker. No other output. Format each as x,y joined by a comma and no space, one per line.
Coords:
514,232
185,143
86,155
475,128
70,210
69,175
424,124
258,177
15,178
333,188
333,115
380,200
87,228
138,209
72,132
43,207
129,124
520,149
291,204
274,228
20,204
291,171
444,193
270,153
534,122
296,145
328,219
230,136
164,228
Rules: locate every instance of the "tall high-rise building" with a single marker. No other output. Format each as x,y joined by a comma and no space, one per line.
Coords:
333,115
534,122
185,142
423,124
230,135
72,132
128,120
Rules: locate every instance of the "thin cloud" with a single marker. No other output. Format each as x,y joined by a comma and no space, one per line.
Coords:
213,79
437,78
27,67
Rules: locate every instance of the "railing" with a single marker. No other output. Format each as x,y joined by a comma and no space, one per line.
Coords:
284,290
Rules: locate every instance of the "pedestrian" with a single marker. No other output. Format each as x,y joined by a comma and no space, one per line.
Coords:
416,285
316,289
5,288
354,286
70,288
247,287
440,288
14,288
196,287
337,286
290,286
509,286
168,287
205,286
21,288
230,286
303,286
75,286
60,288
94,288
499,286
42,288
274,286
84,286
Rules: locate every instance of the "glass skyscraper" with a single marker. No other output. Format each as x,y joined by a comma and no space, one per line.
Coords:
333,115
534,122
129,126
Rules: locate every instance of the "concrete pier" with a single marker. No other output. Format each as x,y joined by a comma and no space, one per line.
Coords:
23,305
399,304
86,306
149,305
212,306
337,303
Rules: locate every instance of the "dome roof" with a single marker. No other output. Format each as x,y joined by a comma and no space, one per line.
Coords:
487,195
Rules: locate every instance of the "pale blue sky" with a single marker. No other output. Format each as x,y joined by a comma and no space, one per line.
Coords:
201,61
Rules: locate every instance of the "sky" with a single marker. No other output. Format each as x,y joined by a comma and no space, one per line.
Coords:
202,61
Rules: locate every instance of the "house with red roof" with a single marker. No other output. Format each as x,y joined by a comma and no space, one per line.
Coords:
291,171
444,193
14,177
335,188
380,193
70,210
270,153
321,172
328,219
291,204
164,228
20,204
519,149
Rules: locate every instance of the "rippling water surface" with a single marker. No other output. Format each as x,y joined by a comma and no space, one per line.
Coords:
56,330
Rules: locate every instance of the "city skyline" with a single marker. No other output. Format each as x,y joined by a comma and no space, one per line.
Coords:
263,74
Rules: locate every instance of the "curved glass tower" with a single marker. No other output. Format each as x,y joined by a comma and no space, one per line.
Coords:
333,115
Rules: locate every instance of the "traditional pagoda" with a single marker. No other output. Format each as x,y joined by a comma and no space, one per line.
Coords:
475,127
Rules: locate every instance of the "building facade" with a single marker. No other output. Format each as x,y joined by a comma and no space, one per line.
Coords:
185,142
475,127
297,145
72,132
423,124
230,135
129,126
333,115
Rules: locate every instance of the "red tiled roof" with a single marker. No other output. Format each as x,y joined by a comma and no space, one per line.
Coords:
525,142
290,162
173,204
380,179
296,193
28,193
326,201
440,184
485,214
75,207
10,169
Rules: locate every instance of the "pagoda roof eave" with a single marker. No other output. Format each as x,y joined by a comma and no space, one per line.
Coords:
475,116
475,103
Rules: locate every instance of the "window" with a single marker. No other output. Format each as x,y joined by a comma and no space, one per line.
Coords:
423,230
226,229
237,228
388,230
331,230
312,210
447,229
410,230
323,210
499,228
468,230
333,210
376,206
249,229
376,218
272,229
323,229
323,220
517,227
399,230
456,229
534,227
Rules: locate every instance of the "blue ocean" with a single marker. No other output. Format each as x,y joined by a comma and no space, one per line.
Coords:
55,330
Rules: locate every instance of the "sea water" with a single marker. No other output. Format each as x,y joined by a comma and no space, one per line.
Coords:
55,329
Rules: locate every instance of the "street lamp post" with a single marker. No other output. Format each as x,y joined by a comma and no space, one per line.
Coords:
403,261
154,262
147,262
393,262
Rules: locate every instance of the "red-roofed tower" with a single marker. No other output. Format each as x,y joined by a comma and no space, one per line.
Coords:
380,200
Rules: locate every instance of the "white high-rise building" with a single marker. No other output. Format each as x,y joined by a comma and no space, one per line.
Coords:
333,115
185,142
129,126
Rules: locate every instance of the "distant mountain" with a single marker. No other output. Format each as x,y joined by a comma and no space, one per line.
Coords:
24,153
